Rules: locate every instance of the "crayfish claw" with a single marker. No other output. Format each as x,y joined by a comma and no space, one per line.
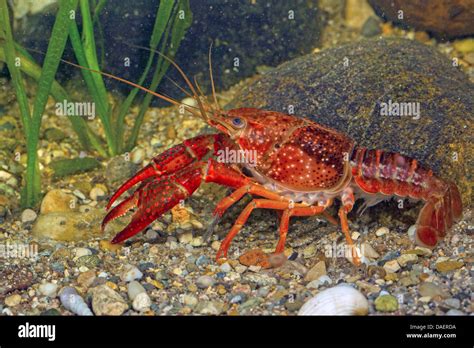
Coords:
120,210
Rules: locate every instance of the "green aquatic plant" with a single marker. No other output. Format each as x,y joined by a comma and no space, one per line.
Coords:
172,20
31,120
67,167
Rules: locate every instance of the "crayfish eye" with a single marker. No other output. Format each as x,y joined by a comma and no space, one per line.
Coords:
238,122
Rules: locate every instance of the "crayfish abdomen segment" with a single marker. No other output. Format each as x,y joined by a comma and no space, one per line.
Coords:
392,174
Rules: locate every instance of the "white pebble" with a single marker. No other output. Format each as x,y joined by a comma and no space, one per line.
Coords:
28,215
391,266
355,235
130,273
225,267
137,156
185,238
198,241
49,289
134,288
78,252
215,245
411,233
381,231
253,268
190,300
96,193
240,269
4,176
323,280
204,282
79,194
142,302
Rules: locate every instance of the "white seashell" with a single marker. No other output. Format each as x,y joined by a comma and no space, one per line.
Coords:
73,302
339,300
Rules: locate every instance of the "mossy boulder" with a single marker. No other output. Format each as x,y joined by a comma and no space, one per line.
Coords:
349,87
245,35
443,18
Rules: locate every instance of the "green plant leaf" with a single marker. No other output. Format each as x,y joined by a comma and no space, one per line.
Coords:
162,18
54,53
67,167
178,28
11,58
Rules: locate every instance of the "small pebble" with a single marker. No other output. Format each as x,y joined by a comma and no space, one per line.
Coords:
86,279
137,156
323,280
411,233
134,288
371,27
391,266
197,241
13,300
428,289
455,312
204,281
96,193
203,260
225,267
240,269
405,259
316,271
48,289
368,251
215,245
185,238
381,231
28,215
142,302
453,303
386,303
190,300
130,273
260,279
79,252
448,266
106,301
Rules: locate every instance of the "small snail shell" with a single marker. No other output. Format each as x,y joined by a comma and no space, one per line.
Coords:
339,300
73,302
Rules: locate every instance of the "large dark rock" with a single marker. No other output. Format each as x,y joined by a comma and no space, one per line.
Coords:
444,18
344,88
260,33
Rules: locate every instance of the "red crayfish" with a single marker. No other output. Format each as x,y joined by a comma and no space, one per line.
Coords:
300,168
